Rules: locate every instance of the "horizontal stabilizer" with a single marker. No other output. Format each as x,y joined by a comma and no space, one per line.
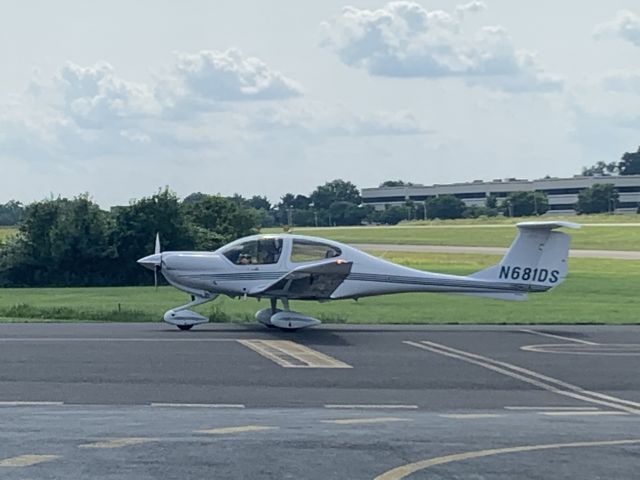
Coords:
547,225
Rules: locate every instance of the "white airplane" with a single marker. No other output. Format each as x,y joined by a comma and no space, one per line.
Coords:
294,267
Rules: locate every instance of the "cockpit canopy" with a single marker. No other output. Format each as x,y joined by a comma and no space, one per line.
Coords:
268,250
261,251
310,250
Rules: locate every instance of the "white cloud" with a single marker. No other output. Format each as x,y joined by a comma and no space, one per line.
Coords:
626,25
202,79
94,96
207,102
474,6
403,39
622,81
315,119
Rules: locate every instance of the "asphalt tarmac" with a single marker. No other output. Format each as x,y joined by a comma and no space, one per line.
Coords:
138,401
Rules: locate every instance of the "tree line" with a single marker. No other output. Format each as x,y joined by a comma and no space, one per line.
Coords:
73,242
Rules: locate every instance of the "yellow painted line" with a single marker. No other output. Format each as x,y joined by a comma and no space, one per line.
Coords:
290,354
365,421
570,413
26,460
119,442
241,429
405,470
470,416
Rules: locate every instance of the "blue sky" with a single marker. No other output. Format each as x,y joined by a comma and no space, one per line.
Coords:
121,98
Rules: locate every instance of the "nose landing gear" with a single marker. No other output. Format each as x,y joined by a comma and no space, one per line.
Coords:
185,319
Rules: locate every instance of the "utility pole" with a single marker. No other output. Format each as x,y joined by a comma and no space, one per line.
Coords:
315,213
290,216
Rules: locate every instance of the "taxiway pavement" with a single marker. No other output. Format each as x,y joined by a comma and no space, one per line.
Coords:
147,401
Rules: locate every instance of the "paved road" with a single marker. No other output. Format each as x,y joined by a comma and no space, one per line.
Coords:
613,254
147,401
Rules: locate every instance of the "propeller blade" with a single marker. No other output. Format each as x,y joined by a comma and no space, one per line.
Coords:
157,250
155,277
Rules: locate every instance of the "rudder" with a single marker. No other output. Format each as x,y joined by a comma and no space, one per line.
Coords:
537,257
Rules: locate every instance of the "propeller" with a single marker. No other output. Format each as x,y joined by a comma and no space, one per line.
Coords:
155,261
157,268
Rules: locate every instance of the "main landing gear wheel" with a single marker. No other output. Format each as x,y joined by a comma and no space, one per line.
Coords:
185,327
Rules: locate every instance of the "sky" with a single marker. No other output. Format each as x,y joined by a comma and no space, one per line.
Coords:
119,99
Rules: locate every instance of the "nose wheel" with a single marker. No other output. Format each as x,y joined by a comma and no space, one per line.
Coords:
185,319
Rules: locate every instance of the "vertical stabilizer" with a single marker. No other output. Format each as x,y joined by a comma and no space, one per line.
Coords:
537,257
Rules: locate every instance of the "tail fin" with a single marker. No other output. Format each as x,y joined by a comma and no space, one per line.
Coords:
537,257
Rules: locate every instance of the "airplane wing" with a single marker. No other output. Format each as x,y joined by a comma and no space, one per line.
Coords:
315,281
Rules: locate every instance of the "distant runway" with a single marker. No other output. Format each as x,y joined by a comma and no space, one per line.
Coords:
387,247
146,401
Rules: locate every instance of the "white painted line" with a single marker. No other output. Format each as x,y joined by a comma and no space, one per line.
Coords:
198,405
559,337
26,460
119,442
365,421
107,339
542,381
30,404
365,406
573,409
290,354
241,429
573,414
610,350
470,416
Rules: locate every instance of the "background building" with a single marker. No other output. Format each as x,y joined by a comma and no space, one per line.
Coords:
562,192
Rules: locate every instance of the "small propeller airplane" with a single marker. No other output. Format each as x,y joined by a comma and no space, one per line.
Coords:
288,267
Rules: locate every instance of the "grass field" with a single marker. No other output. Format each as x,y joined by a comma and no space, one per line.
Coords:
7,232
596,237
597,291
591,219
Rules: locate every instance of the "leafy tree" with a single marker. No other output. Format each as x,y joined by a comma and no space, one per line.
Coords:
136,228
445,206
630,164
346,213
600,198
524,204
259,203
11,213
223,216
393,215
395,183
335,191
239,200
63,242
194,197
600,169
491,201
